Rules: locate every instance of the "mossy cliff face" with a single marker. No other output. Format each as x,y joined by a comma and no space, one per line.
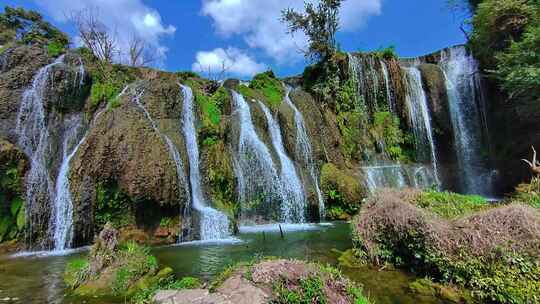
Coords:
16,72
122,146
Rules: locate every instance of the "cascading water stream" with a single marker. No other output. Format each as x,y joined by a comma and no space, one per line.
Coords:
258,181
63,204
33,138
389,97
214,225
416,102
294,207
465,99
304,151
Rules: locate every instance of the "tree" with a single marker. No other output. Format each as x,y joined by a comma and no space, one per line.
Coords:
320,23
139,52
94,34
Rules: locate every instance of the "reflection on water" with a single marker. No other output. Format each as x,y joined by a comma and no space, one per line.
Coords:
39,279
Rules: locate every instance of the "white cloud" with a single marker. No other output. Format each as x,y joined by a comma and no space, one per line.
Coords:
232,60
125,17
257,21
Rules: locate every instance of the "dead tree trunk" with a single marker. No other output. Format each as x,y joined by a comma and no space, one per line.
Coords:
534,164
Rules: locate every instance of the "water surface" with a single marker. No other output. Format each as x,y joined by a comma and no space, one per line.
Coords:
38,279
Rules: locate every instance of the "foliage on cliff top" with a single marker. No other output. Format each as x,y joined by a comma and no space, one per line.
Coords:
506,37
18,25
494,252
269,86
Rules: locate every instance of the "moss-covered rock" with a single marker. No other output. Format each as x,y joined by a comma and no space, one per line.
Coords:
343,191
18,68
122,146
114,269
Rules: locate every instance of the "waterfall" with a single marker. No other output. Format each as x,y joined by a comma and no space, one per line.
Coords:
294,207
33,138
374,87
213,224
390,175
465,99
63,204
389,96
259,186
416,102
304,151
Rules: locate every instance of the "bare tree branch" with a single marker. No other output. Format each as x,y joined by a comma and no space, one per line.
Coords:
94,34
139,52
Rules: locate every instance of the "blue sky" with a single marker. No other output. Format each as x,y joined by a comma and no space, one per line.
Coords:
246,36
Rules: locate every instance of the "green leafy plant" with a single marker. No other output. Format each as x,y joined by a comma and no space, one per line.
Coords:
112,206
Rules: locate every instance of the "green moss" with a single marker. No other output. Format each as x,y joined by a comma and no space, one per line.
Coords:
352,258
451,205
342,191
270,87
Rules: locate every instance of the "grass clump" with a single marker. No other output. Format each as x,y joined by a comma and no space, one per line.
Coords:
310,290
450,205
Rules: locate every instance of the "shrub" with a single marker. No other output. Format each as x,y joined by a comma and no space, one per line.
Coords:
386,53
385,129
493,252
